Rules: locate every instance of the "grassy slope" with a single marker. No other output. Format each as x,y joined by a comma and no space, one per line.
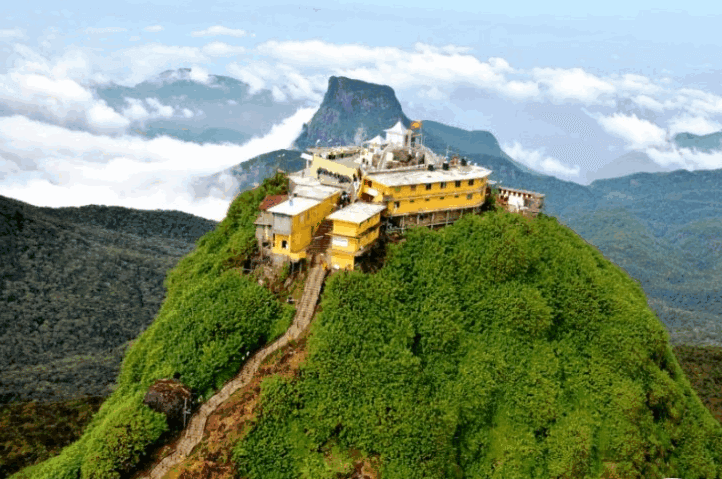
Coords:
211,317
494,348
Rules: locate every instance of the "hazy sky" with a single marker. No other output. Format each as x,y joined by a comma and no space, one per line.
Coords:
566,88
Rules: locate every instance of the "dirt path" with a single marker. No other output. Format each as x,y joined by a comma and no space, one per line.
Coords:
194,430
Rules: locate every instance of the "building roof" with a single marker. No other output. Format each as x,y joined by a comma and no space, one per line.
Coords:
294,206
398,128
319,192
377,140
271,201
503,189
356,212
417,177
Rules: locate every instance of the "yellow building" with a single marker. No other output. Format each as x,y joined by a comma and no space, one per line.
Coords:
297,219
355,228
414,196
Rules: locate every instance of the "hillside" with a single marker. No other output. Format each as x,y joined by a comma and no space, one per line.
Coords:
77,285
499,346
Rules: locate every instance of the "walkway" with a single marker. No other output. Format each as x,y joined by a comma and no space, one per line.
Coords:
194,431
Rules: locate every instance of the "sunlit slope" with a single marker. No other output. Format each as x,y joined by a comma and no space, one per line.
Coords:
211,317
500,348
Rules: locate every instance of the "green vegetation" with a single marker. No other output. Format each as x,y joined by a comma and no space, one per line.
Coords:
211,317
77,285
499,347
703,368
33,431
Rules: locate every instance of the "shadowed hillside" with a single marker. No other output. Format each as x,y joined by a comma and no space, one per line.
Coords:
77,285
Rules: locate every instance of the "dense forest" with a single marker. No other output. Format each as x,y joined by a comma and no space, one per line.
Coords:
498,347
76,284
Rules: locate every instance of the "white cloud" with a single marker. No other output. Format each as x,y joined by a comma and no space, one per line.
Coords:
573,84
187,113
12,33
636,83
278,95
134,38
154,28
218,30
161,110
426,66
102,30
536,160
637,132
685,158
648,102
77,168
200,75
135,111
697,125
102,117
220,49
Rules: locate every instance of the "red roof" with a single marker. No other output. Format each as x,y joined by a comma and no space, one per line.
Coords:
272,200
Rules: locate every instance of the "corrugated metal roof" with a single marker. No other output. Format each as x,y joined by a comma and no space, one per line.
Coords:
417,177
294,206
319,192
271,201
356,212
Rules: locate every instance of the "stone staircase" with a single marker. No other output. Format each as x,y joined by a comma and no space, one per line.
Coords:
321,241
194,430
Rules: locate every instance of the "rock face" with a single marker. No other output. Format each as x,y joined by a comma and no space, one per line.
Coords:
352,111
169,396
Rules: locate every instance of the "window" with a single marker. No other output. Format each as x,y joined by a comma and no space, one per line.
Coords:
471,182
284,244
413,187
411,201
339,241
397,204
457,183
428,187
442,184
397,189
456,196
469,196
428,199
368,183
442,198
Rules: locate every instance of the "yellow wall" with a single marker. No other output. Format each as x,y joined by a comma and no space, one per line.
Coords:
332,166
342,260
303,227
346,228
356,244
418,199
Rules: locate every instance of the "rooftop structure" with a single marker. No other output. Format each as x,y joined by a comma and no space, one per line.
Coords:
357,212
294,206
421,176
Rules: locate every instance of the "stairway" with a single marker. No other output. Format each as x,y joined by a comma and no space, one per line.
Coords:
321,241
193,434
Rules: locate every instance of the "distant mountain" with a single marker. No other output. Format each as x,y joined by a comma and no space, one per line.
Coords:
77,285
352,111
627,164
706,143
249,174
660,227
219,110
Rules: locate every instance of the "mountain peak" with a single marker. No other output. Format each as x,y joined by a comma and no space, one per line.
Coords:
352,111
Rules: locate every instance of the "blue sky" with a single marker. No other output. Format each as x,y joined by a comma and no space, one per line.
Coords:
566,88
